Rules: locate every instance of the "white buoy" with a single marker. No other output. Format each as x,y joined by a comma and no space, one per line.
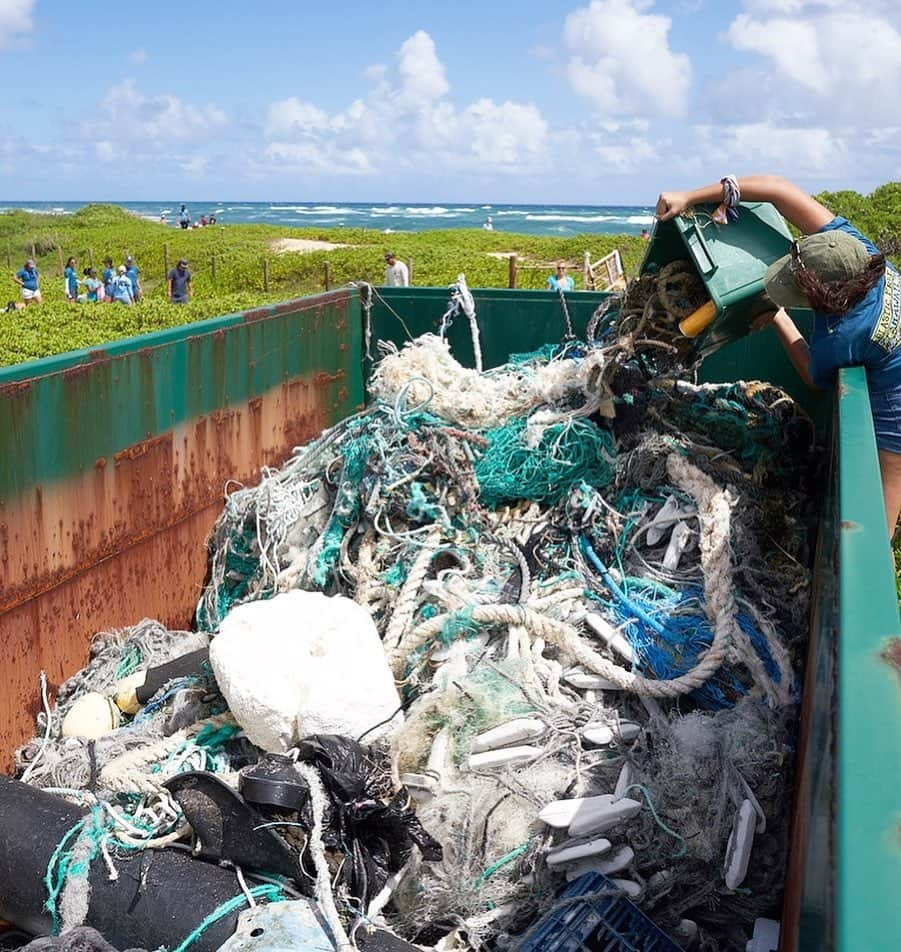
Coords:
624,781
561,813
741,841
678,543
506,757
93,715
585,681
630,888
570,851
513,732
603,814
611,636
603,734
607,864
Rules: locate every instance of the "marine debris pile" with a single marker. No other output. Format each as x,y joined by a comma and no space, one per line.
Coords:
566,602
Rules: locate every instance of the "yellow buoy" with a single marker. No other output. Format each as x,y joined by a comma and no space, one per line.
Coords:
698,320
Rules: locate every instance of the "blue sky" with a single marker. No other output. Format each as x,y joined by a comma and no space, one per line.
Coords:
602,102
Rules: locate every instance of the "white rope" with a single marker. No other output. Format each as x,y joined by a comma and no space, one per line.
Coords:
314,843
716,562
45,702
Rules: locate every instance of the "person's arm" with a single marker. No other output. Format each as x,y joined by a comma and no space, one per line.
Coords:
190,287
792,340
793,203
169,287
18,281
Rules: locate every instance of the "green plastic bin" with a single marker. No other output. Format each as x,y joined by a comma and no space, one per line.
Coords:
730,259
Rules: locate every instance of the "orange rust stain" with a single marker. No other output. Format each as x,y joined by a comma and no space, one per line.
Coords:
117,543
16,389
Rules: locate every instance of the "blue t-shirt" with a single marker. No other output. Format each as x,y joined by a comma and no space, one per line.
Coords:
554,283
869,335
133,272
108,276
28,278
122,289
71,281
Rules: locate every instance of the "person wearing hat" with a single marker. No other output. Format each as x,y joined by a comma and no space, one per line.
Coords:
396,274
133,272
123,292
178,283
27,279
854,295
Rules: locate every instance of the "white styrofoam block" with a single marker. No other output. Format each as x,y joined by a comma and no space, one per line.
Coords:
304,663
766,936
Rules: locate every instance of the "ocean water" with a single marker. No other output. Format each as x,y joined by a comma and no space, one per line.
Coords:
551,220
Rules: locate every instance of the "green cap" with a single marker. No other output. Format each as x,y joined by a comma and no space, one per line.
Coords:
831,255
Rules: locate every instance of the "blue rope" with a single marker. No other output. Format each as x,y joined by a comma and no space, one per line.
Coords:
269,893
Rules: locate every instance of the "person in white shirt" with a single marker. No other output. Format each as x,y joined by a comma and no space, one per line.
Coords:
396,274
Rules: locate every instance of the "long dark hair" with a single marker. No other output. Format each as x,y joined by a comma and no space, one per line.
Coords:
838,297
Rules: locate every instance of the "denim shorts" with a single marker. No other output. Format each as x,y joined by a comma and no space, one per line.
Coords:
886,408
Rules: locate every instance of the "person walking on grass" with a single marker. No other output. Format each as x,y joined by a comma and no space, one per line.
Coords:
27,279
123,293
71,279
396,274
179,283
854,294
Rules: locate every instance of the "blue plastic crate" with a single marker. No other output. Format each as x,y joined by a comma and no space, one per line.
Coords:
607,924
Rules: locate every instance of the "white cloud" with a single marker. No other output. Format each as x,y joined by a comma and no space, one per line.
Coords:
138,56
289,117
421,72
837,59
157,119
15,20
408,121
604,40
804,150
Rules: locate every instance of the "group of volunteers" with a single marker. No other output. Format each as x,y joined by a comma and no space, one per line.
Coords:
118,285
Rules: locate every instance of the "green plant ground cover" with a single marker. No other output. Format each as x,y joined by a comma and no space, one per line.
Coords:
239,251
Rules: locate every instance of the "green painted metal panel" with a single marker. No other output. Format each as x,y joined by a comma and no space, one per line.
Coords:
510,321
869,710
59,415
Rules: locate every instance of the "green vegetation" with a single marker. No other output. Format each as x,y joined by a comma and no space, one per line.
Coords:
877,215
239,251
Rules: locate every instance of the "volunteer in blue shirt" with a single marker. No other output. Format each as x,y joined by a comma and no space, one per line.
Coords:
123,293
27,279
560,280
133,271
855,297
71,276
109,275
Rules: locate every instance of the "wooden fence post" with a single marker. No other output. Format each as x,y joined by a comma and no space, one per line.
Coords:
265,274
33,255
59,252
9,255
213,266
91,256
328,277
512,272
410,269
586,271
166,259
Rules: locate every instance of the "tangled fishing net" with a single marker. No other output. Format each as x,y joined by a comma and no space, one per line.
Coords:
580,549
